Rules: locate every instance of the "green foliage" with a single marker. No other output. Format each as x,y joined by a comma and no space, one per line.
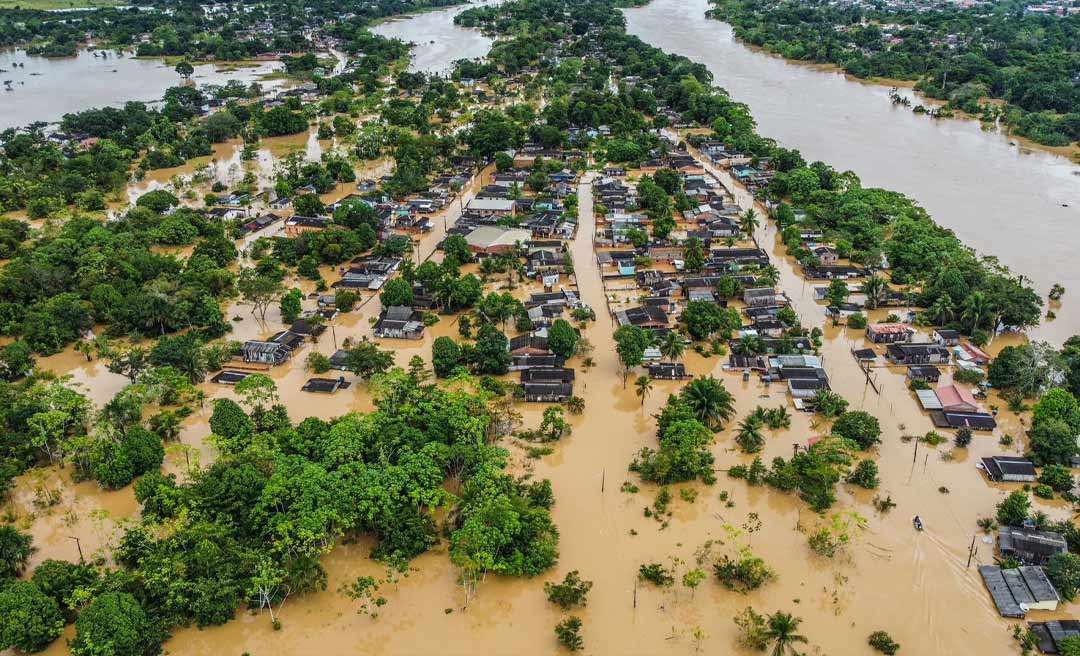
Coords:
865,474
562,338
570,593
743,573
1014,509
883,642
568,632
114,624
859,426
829,404
15,550
445,356
656,574
1063,570
29,619
1057,477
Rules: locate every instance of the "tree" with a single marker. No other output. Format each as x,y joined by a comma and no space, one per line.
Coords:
703,319
884,643
491,355
15,550
1014,509
642,386
865,475
1057,477
876,290
858,426
781,632
749,222
562,338
184,69
16,360
290,306
259,289
828,403
709,401
366,360
1057,404
570,593
29,619
229,422
130,362
836,293
630,344
749,436
1052,441
445,356
568,633
976,309
457,249
257,391
1063,570
397,291
114,624
672,346
694,255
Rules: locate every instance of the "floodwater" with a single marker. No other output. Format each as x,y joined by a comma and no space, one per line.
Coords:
913,585
1019,204
438,42
46,88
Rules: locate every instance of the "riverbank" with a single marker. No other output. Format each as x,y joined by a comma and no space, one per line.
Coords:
1070,152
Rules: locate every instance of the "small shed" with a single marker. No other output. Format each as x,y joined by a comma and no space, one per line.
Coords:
228,377
325,385
926,373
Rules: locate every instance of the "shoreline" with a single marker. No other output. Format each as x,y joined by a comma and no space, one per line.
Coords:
1070,152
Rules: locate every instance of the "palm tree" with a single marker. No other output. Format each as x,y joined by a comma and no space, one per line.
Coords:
672,346
976,308
781,632
710,401
643,385
942,312
876,290
749,222
749,437
770,275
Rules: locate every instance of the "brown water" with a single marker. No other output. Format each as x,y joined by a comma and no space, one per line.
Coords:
1002,199
45,88
438,42
914,585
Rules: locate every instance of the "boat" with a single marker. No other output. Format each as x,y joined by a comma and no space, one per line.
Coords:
917,522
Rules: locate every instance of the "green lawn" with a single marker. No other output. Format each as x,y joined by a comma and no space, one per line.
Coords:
57,4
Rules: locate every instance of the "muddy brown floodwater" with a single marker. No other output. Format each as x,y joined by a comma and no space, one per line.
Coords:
913,585
1019,204
46,88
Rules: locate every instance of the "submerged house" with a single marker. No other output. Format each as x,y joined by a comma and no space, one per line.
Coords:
917,354
1017,591
548,384
400,322
1010,469
1030,546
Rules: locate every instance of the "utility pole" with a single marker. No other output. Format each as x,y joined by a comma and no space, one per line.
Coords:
603,480
916,454
78,545
971,551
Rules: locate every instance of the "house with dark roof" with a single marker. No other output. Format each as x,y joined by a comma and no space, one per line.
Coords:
325,385
267,352
976,421
644,316
1017,591
888,333
1010,469
1030,546
400,322
668,371
926,373
1052,632
523,362
908,354
529,345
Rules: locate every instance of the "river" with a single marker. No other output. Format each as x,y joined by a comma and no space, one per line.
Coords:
1001,199
439,43
46,88
914,585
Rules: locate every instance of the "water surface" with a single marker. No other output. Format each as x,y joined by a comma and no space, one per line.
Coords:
1018,204
439,43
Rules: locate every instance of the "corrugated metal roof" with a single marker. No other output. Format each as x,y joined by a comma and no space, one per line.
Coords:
928,399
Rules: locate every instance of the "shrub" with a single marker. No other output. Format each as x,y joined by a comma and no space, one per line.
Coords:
656,574
963,438
883,642
744,573
571,592
568,632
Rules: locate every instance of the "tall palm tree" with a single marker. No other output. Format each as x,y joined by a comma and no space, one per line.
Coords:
876,290
749,222
770,275
942,312
672,346
710,401
976,308
749,437
781,632
643,385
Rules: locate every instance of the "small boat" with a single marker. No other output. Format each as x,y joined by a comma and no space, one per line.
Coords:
917,522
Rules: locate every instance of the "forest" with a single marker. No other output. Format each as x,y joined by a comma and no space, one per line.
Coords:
965,56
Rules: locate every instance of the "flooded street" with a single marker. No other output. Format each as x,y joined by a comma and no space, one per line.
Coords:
915,585
46,88
1001,199
439,43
